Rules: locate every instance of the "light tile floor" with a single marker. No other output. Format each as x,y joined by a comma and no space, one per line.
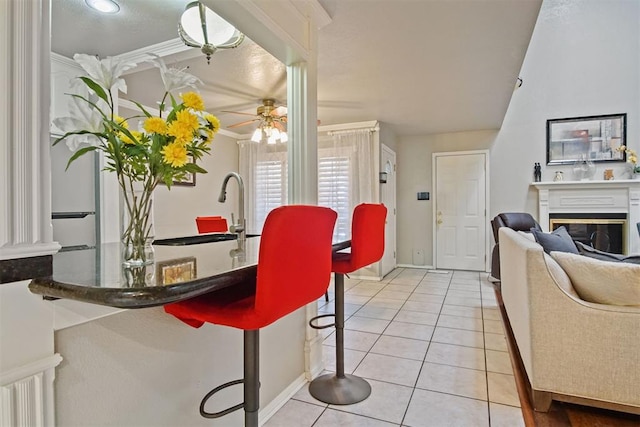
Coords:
432,346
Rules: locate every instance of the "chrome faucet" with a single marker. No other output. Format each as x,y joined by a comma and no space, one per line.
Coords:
239,228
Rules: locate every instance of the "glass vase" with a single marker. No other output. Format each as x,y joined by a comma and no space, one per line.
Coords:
137,228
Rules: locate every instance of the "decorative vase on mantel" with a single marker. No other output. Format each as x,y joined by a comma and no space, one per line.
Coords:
137,228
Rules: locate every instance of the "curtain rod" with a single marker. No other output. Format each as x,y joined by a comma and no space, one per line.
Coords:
351,131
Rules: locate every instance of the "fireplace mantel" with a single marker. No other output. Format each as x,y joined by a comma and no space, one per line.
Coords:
615,196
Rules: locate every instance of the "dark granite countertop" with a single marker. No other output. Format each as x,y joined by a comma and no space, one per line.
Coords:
179,272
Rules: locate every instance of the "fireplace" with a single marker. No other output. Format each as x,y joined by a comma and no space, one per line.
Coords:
606,232
599,213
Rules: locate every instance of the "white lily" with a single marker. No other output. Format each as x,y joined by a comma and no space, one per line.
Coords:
83,117
106,72
174,78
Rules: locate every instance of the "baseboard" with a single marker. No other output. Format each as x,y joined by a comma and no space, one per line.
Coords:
279,401
422,267
369,278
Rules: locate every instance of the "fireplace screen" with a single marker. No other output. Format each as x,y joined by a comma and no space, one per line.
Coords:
605,234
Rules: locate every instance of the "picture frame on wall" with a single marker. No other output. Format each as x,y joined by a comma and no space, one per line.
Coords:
594,138
176,271
189,180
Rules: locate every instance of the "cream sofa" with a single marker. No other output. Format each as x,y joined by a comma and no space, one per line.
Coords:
572,350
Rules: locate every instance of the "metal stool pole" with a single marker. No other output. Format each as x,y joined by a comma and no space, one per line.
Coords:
339,388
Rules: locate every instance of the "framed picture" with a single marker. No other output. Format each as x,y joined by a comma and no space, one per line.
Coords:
190,179
596,138
176,271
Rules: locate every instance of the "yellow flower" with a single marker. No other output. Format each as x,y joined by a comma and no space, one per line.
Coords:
183,127
155,125
175,154
207,136
214,123
125,138
182,133
120,121
192,100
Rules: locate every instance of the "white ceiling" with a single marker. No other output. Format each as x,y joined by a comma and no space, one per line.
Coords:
419,66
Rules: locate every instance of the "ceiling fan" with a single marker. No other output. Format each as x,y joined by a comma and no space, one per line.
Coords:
267,114
271,122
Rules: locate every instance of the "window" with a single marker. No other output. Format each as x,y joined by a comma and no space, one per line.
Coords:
334,191
271,188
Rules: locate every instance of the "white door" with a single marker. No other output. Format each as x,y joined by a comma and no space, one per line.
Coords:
388,198
460,211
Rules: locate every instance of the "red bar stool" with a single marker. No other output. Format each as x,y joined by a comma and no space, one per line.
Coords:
294,269
367,247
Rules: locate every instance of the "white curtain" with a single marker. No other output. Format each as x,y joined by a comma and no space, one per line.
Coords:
263,168
354,147
346,176
360,141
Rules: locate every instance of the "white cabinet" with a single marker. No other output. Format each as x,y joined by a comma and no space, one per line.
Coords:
63,72
73,190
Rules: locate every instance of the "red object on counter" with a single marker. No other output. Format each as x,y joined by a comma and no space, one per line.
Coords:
211,224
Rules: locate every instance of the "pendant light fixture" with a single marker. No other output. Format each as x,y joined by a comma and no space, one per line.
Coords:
267,129
103,6
201,27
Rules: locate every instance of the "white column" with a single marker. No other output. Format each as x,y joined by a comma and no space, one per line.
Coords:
25,191
302,127
303,134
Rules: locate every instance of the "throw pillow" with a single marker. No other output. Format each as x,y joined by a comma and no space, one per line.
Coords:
633,259
603,282
559,240
589,251
592,252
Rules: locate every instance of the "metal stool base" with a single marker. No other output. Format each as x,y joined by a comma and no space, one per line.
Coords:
330,388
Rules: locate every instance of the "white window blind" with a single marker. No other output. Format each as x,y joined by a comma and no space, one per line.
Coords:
271,189
334,191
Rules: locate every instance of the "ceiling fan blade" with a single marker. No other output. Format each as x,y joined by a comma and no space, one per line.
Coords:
279,111
248,122
237,112
279,126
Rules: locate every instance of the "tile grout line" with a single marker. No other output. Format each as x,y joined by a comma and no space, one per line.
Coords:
413,390
484,346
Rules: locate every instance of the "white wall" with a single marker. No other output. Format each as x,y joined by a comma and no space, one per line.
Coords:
176,209
583,60
146,368
414,175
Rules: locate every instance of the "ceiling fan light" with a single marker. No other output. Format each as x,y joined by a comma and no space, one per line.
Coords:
104,6
275,133
283,137
257,135
271,139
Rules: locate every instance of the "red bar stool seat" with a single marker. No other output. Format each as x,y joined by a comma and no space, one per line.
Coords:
367,247
294,269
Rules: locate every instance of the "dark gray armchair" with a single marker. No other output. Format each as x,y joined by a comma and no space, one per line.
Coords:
519,221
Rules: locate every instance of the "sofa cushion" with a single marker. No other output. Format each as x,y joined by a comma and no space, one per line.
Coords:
559,240
603,282
528,235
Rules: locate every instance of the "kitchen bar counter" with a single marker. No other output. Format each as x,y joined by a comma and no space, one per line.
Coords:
179,272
